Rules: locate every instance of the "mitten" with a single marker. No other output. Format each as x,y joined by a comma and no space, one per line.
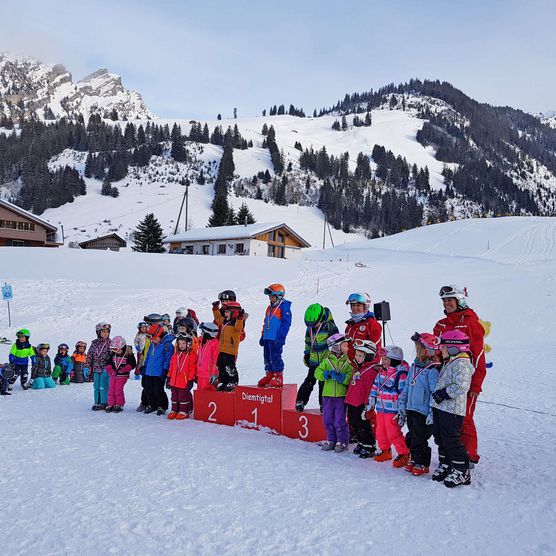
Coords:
370,404
189,385
85,373
215,304
240,313
261,341
168,383
213,380
400,418
327,375
440,395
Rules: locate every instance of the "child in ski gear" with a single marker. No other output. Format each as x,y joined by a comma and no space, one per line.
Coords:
7,373
449,401
277,322
121,363
184,313
362,325
415,399
167,322
181,376
335,371
230,318
80,372
140,343
207,356
460,317
320,326
98,357
20,353
359,389
157,364
63,365
41,370
388,385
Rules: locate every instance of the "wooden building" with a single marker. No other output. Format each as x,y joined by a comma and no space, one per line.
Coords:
20,228
256,240
111,241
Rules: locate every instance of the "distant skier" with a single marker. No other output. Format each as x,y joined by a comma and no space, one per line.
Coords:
98,357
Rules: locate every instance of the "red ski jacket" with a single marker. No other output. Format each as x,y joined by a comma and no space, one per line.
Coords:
183,368
468,322
367,329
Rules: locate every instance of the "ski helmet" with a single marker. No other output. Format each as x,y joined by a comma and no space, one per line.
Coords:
455,341
156,331
103,326
368,347
165,316
7,371
43,346
457,292
227,295
428,341
233,307
181,311
359,297
192,314
23,332
208,328
117,343
182,336
314,314
63,346
141,324
275,289
82,344
188,323
393,353
335,341
152,318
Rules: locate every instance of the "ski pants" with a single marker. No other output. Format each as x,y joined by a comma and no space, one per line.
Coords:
101,387
306,388
42,382
144,398
468,430
362,428
227,371
21,371
116,394
272,353
389,433
334,419
182,400
156,396
417,438
447,431
204,383
58,373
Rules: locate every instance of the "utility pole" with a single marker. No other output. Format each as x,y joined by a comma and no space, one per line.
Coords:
186,203
324,233
179,215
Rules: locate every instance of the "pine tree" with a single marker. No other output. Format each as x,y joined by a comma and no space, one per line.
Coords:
232,218
244,215
148,236
219,216
106,187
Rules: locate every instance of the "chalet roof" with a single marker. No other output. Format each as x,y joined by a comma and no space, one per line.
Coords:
28,215
120,239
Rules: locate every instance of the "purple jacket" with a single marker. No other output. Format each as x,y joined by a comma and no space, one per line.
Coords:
98,355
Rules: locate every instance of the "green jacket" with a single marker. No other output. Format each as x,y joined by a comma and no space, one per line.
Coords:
332,388
316,347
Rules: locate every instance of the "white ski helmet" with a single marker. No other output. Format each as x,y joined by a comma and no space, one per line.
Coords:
457,292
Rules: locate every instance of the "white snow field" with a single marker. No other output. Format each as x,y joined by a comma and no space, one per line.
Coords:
74,481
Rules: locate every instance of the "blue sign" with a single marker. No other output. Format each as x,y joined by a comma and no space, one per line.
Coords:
7,293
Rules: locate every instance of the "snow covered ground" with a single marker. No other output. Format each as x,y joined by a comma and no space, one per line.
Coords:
75,481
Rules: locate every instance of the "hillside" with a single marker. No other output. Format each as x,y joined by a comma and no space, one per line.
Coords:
275,492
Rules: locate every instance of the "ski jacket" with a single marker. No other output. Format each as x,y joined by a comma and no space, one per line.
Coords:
21,352
78,361
158,358
230,332
277,321
207,354
42,367
140,342
388,385
367,329
455,377
65,364
183,367
468,322
121,365
333,388
316,347
98,355
361,383
420,383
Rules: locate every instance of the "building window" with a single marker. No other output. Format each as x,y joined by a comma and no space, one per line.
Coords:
17,243
270,250
280,252
17,225
222,249
206,249
280,237
239,248
189,249
273,235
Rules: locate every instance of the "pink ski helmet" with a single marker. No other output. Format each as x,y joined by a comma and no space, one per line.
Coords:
430,342
455,341
117,343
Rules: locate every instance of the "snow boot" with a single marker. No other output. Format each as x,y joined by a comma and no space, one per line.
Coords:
181,416
328,446
384,455
457,478
148,410
230,387
97,407
299,406
109,408
276,381
340,447
367,452
117,409
441,472
419,470
358,449
401,460
160,411
141,408
172,415
410,465
263,382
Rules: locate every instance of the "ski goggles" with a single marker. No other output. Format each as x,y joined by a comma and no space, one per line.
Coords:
416,337
42,347
356,298
268,291
357,342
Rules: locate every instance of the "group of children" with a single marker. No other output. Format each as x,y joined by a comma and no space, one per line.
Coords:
367,392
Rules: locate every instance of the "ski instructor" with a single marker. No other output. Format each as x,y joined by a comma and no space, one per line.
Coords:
460,317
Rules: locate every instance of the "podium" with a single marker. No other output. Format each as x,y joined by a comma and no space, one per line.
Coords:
304,425
261,408
212,406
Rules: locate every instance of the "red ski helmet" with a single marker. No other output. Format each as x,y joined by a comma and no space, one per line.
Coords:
156,331
429,342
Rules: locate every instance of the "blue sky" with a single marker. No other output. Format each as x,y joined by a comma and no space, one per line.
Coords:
196,59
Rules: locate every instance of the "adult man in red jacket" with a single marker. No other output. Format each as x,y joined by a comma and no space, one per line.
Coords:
460,317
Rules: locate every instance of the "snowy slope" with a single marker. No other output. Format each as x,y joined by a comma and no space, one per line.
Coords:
139,484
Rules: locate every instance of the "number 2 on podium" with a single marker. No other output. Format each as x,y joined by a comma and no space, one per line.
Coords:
211,416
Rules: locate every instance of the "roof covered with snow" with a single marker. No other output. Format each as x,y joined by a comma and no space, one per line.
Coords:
230,232
27,214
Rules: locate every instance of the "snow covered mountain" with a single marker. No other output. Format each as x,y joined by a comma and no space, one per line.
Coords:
29,88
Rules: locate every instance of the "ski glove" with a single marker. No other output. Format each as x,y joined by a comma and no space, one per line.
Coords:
168,383
306,359
370,404
440,396
428,421
327,375
400,418
190,385
215,304
339,377
213,380
364,415
85,373
261,341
